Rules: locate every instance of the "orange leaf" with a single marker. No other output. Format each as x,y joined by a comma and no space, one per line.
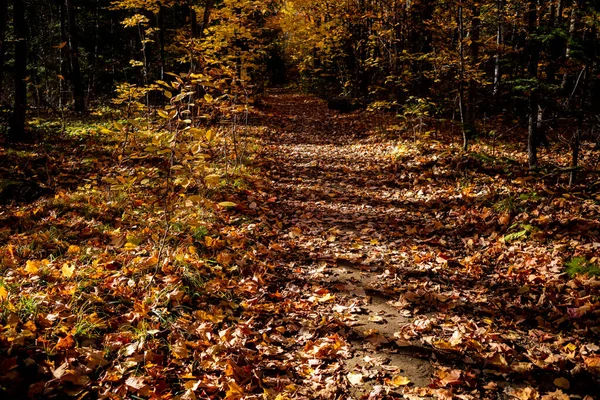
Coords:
65,343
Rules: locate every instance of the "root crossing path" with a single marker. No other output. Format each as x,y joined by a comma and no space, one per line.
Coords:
342,240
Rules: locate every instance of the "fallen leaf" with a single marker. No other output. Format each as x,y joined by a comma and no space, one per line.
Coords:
64,343
67,271
399,380
355,378
562,383
32,266
135,382
558,395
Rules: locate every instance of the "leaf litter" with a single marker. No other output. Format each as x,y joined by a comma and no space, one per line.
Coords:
359,263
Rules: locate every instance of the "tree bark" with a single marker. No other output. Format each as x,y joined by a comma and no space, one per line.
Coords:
76,81
572,27
472,100
64,55
533,53
161,39
461,78
17,124
499,40
3,20
193,19
206,16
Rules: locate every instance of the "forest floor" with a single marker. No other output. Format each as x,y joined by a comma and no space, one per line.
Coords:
360,261
446,270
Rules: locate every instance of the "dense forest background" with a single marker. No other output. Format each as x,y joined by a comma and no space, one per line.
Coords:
471,63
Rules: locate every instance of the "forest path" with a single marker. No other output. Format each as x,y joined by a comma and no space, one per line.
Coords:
335,192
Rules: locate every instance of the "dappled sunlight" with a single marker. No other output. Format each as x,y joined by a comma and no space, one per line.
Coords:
420,246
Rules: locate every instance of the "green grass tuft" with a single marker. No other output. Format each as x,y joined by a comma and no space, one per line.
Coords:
581,266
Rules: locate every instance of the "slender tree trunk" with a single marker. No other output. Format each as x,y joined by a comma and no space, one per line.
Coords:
94,77
499,34
17,123
461,78
572,28
576,139
533,52
426,48
559,12
575,146
63,67
206,16
3,20
76,81
161,39
472,103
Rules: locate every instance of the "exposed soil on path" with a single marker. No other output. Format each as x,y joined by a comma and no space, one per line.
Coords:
411,263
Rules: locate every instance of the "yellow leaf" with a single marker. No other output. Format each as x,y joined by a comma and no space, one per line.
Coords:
73,249
399,380
498,360
32,266
67,271
3,293
210,135
162,114
571,347
235,391
443,344
208,98
212,179
30,325
326,298
227,204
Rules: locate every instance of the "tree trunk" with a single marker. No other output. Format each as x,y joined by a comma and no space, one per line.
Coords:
64,56
533,53
499,34
426,47
461,78
161,39
576,139
76,81
472,101
558,16
193,19
572,27
206,16
17,123
575,145
3,20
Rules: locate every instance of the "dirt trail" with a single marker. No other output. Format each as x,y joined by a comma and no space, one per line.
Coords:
335,195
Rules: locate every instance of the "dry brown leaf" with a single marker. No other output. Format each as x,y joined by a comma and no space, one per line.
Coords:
562,383
558,395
